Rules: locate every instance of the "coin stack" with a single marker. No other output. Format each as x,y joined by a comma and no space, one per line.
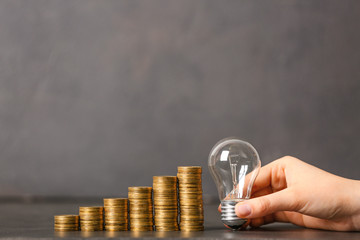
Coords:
91,218
116,214
165,203
191,202
141,208
66,223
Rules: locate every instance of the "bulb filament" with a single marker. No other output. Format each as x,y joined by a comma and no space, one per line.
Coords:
238,178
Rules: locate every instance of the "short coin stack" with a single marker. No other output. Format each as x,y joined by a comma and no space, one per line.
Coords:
91,218
66,223
190,195
116,214
141,209
165,203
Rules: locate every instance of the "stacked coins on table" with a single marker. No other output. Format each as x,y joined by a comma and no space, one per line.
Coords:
66,222
190,196
165,203
116,214
91,218
141,209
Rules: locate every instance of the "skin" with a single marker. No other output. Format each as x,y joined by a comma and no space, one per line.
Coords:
290,190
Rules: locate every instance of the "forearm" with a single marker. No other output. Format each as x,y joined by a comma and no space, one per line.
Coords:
355,199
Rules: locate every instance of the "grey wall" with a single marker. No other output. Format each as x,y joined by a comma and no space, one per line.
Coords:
96,96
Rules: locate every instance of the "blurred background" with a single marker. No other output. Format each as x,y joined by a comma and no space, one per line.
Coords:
96,96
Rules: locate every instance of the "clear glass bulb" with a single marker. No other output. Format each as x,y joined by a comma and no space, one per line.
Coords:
234,164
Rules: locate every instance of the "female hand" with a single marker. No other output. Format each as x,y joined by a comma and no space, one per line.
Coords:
289,190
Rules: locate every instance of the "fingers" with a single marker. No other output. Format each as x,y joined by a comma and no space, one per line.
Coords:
257,222
283,200
271,175
262,192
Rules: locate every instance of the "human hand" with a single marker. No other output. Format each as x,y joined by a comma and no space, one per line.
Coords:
289,190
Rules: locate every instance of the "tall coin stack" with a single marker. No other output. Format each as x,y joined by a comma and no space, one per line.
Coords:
116,214
165,203
66,223
190,195
91,218
141,209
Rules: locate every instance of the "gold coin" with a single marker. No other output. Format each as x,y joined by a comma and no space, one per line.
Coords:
115,201
165,189
144,220
140,217
166,195
164,184
191,224
144,204
141,229
167,224
164,214
165,220
92,208
191,218
66,217
116,228
115,215
191,213
90,215
186,176
140,189
166,200
140,214
91,224
92,229
164,178
140,193
192,229
136,198
91,218
166,229
160,213
66,226
66,229
195,169
190,196
117,222
115,209
186,185
108,215
66,222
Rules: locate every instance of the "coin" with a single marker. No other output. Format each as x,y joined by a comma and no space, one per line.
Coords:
115,202
165,203
140,208
116,214
66,222
91,218
190,198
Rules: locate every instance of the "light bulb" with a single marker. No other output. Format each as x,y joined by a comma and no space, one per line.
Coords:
234,164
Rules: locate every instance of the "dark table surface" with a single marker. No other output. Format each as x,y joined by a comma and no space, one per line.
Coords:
35,220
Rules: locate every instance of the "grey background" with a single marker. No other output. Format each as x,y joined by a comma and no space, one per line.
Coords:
96,96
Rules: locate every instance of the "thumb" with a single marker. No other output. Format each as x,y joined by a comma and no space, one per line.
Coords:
283,200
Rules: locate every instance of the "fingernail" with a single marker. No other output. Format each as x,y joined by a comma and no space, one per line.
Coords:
243,210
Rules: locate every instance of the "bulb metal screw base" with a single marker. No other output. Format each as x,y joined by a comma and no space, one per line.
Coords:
228,215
